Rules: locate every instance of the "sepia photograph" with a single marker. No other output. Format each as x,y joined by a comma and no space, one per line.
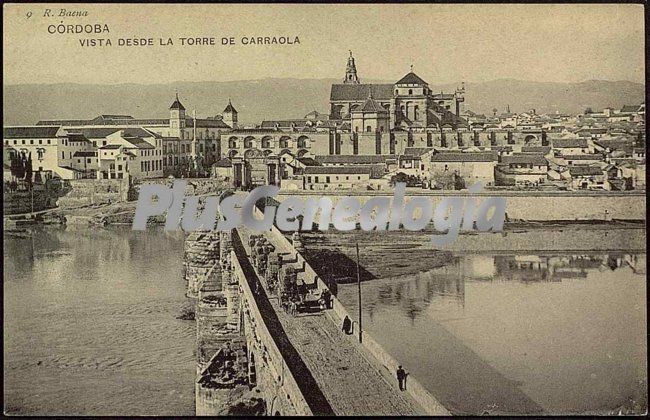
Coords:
324,209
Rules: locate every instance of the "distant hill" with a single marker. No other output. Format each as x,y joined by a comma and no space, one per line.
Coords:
288,98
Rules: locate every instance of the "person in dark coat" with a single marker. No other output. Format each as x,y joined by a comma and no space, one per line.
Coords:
401,378
347,325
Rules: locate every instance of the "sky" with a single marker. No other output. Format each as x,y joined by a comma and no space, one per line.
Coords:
444,43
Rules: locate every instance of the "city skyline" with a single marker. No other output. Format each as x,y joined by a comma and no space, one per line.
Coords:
569,39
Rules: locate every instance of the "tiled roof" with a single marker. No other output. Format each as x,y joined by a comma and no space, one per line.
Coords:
536,149
464,157
591,156
39,132
411,79
112,146
352,92
93,133
205,123
63,122
525,159
352,159
77,137
569,143
139,143
350,169
417,151
585,170
307,161
372,106
84,154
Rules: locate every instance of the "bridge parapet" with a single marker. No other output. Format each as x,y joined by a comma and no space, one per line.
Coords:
418,392
283,393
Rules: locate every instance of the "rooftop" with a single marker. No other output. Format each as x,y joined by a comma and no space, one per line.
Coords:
411,79
350,169
353,92
30,132
569,143
585,170
524,159
353,159
464,157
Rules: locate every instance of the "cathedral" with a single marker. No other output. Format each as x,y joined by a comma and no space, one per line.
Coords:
408,104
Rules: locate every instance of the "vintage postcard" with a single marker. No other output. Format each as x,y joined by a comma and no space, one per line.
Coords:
324,209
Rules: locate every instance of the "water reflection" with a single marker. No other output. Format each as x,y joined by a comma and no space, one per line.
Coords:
90,318
446,285
518,331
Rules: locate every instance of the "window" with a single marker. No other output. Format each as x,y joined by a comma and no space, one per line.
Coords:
119,167
316,179
40,153
368,129
327,179
410,91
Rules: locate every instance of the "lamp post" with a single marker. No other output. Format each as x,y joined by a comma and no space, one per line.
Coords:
359,286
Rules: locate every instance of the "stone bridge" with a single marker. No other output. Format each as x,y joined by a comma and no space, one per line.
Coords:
255,358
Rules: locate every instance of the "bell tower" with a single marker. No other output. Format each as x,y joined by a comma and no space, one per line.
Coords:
351,72
176,118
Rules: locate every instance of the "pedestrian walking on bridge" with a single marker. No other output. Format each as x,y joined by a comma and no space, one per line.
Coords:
401,378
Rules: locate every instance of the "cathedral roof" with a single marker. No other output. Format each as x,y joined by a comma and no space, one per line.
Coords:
359,92
372,106
411,79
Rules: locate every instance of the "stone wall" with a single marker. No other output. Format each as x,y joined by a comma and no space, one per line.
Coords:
290,400
195,186
526,205
85,192
21,201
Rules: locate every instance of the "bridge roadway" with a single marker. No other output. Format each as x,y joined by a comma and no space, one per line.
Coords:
344,373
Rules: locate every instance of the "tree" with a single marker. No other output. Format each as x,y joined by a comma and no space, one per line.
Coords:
588,111
28,169
399,177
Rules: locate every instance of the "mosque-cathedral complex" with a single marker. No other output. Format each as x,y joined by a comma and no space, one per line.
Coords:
372,132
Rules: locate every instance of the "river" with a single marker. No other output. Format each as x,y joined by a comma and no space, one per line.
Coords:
90,324
518,331
90,321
